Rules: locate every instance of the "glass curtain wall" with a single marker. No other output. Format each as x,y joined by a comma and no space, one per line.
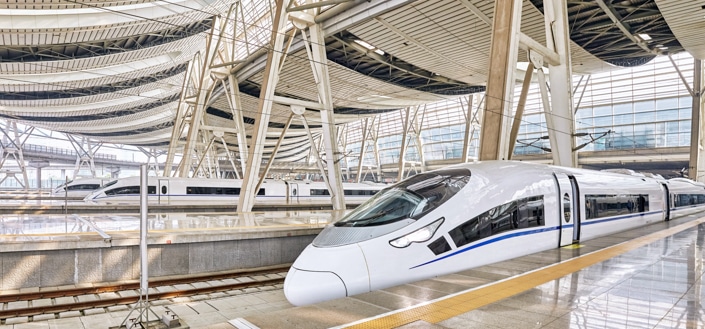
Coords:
642,107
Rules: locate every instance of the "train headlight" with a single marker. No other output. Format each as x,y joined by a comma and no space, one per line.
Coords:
421,235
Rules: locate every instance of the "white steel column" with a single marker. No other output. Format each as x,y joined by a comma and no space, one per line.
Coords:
366,127
180,122
417,125
500,83
320,72
204,90
236,110
274,151
264,110
520,108
696,166
469,128
405,124
560,77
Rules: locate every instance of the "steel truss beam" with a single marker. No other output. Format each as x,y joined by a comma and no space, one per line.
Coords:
11,150
152,159
208,70
315,48
85,153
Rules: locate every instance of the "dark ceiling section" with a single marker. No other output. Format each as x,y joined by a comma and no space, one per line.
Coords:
592,28
95,90
100,116
69,51
165,125
251,121
342,49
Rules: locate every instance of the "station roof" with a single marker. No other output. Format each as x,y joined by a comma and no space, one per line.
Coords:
113,70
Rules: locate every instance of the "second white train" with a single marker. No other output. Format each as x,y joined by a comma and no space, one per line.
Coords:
170,190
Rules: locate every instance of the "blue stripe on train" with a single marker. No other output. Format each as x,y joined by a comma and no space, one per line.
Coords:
536,231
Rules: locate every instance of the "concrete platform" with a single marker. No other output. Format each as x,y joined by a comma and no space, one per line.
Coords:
43,251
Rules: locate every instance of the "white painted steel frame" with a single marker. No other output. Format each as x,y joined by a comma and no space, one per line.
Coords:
264,110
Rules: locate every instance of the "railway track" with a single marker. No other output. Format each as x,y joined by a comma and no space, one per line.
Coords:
89,297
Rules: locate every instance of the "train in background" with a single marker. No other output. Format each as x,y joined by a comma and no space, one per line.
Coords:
80,187
468,215
200,191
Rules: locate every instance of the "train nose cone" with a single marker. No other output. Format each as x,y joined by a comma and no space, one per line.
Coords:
306,287
321,274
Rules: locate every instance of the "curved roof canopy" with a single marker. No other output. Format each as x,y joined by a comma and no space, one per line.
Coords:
114,70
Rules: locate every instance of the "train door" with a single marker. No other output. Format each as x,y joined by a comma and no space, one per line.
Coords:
667,199
293,193
569,211
163,193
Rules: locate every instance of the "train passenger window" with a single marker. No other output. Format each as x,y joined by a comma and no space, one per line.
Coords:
523,213
212,190
608,205
83,187
163,189
151,189
318,191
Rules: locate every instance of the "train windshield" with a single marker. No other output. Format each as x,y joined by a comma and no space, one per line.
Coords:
411,198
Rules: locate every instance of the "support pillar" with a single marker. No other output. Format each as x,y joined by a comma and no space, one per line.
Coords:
500,83
405,120
560,77
38,165
520,109
264,110
320,69
696,166
469,128
366,127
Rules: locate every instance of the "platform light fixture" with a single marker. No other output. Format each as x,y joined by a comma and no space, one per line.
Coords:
644,36
369,46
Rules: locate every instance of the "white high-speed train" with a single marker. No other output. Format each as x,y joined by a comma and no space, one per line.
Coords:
80,187
172,190
468,215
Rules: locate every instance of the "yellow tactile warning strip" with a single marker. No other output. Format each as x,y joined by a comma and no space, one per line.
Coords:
463,302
